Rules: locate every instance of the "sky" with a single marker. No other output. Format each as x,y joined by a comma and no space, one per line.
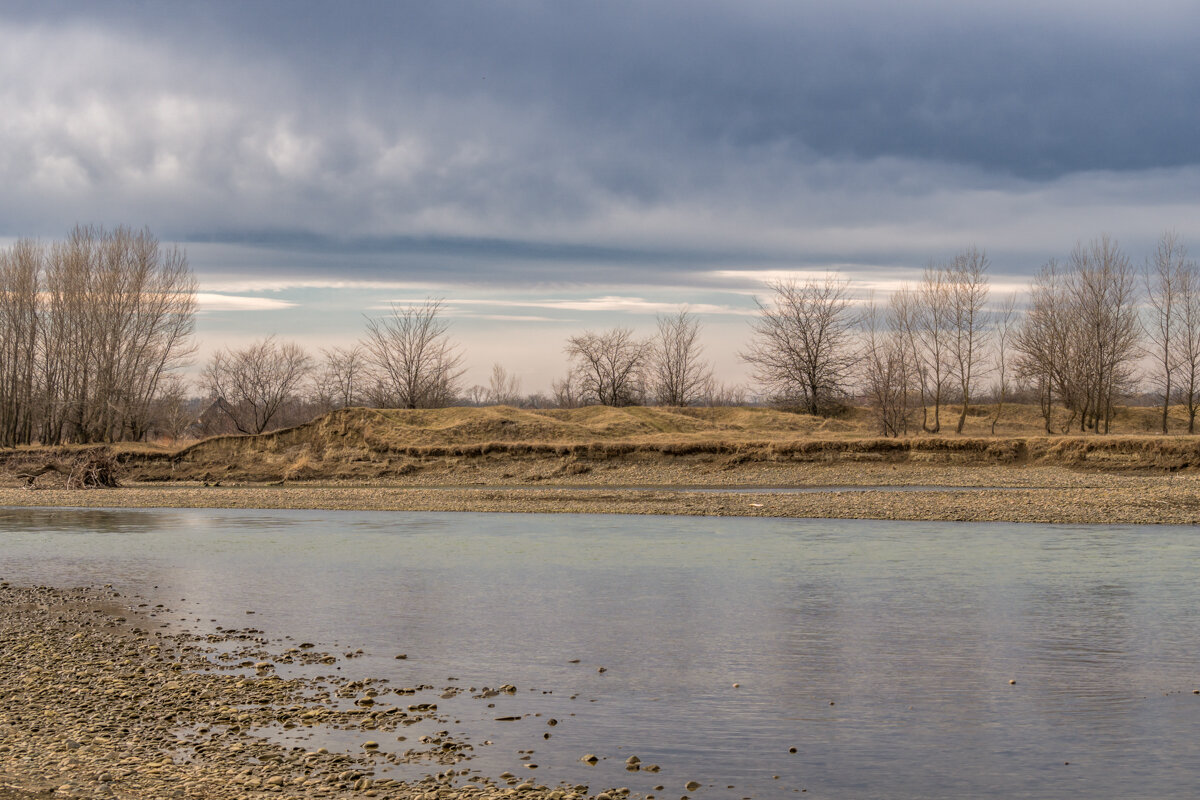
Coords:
554,167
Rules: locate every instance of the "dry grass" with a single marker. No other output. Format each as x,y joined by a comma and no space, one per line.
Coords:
503,443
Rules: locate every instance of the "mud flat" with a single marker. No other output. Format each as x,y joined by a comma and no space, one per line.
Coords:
98,698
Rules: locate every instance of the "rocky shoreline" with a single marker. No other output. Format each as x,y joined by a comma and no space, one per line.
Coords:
100,699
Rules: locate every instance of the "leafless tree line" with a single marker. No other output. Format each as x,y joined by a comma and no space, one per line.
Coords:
1076,344
92,329
1076,347
406,359
928,347
1081,335
933,344
931,348
1172,283
937,343
617,368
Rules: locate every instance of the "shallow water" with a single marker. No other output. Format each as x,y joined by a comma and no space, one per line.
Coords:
881,651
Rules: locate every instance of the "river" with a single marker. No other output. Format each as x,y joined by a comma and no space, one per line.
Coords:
896,659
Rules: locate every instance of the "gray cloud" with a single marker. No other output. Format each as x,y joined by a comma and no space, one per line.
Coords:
608,142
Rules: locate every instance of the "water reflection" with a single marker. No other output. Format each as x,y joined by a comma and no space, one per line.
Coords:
883,652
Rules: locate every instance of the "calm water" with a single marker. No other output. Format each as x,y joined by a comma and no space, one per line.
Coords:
881,651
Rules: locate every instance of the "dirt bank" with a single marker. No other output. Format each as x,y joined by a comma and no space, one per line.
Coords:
501,445
587,460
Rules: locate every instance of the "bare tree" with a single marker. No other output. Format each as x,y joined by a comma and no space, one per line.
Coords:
802,348
609,366
1042,340
21,268
1005,328
536,400
887,371
339,380
173,412
566,392
924,315
416,364
931,330
1079,338
906,318
1106,296
724,395
140,304
968,290
63,338
678,375
90,327
253,385
1163,274
503,389
1187,342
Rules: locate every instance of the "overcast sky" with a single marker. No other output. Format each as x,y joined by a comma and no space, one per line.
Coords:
550,167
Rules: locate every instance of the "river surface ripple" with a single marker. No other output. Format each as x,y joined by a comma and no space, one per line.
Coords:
882,652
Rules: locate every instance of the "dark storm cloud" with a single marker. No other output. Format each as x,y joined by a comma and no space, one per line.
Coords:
614,140
1030,90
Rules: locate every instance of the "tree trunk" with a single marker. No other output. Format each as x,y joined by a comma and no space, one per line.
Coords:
1166,404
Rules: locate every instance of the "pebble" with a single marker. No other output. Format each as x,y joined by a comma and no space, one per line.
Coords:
139,711
1049,489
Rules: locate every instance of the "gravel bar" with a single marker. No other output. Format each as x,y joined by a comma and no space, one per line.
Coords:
1008,494
98,699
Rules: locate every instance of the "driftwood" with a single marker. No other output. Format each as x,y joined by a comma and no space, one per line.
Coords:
94,470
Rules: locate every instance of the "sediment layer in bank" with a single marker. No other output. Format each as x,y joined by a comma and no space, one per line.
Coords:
502,444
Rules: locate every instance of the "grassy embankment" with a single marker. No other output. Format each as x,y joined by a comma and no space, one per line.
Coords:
604,459
652,446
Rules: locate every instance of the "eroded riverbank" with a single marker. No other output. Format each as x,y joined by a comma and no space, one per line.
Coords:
100,698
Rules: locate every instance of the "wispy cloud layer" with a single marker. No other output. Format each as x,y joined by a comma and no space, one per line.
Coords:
211,301
633,305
